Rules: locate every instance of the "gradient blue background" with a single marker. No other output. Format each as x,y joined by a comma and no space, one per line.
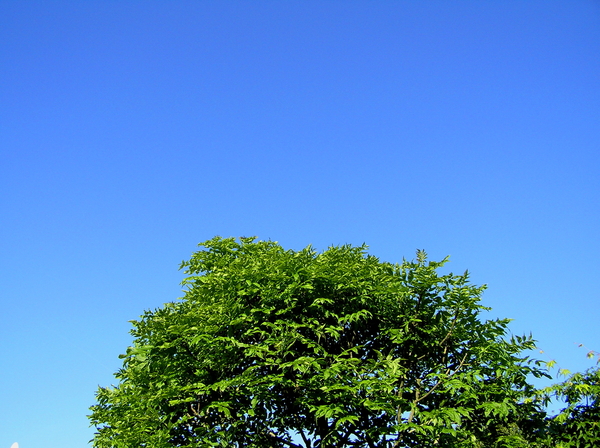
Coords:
131,131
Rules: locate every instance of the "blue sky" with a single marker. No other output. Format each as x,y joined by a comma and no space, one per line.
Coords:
131,131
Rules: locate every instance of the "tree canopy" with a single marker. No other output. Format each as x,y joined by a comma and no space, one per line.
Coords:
279,348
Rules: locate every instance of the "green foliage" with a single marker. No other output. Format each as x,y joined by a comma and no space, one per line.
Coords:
279,348
578,424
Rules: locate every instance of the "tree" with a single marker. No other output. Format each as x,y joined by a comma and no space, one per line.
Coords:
280,348
578,423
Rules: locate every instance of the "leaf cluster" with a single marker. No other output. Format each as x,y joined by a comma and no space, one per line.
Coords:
578,423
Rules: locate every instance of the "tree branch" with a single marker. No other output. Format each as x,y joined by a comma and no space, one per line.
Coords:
462,361
307,441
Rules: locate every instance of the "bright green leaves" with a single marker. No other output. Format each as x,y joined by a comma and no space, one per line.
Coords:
271,346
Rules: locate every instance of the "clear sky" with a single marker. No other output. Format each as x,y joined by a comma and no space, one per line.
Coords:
130,131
